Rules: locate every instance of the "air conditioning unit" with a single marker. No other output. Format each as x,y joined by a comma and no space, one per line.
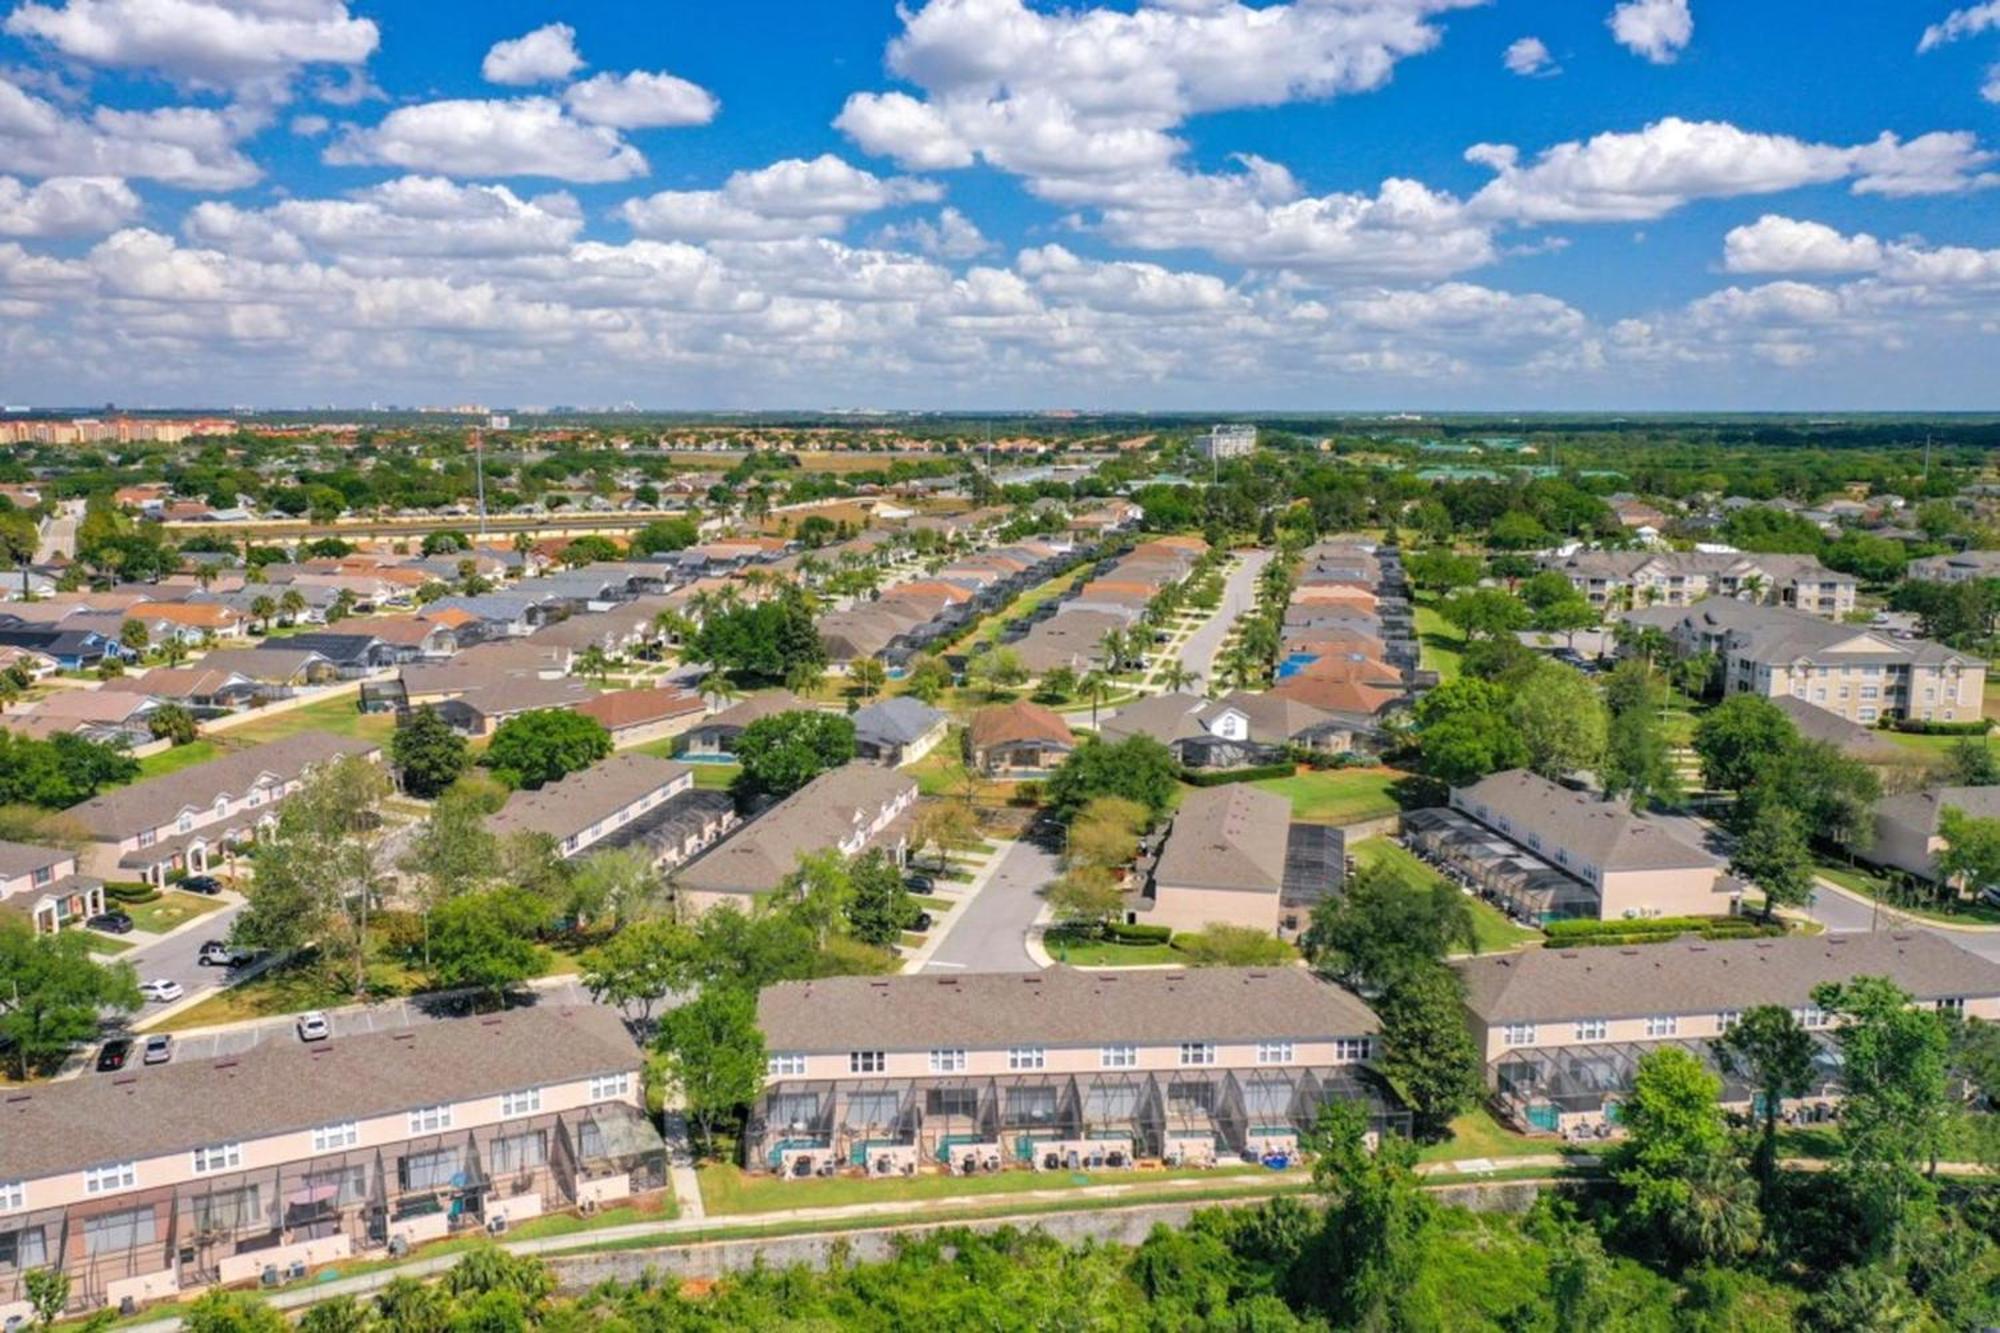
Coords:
399,1246
496,1225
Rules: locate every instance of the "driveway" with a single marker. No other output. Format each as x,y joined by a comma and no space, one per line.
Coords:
988,934
173,956
1239,594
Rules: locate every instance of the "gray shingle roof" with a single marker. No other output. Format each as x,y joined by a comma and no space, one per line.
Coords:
583,798
1057,1007
896,721
1920,809
812,819
124,811
282,1086
1550,985
21,858
1606,833
1230,837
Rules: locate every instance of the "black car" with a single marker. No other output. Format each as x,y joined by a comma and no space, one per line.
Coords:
919,883
207,884
113,1056
111,923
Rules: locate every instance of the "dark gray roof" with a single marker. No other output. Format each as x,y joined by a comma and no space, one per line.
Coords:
1551,985
896,721
1060,1006
745,711
282,1086
148,804
1920,809
1819,724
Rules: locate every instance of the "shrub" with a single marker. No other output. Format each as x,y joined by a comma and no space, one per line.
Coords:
130,891
1139,934
1584,933
1914,726
1232,946
1199,778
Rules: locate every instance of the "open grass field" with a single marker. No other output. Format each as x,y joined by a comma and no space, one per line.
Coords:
336,717
1477,1134
1337,795
178,758
171,909
727,1190
1493,931
1437,642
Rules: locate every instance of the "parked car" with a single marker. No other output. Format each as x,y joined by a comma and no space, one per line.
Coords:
314,1027
159,1048
111,923
114,1054
920,883
161,990
207,884
214,953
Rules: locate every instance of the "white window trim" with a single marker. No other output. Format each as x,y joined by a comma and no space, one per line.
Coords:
333,1137
528,1101
1197,1054
1027,1057
1591,1029
218,1157
430,1119
948,1061
111,1179
1275,1052
1519,1034
610,1087
785,1064
867,1062
1663,1025
1118,1056
13,1196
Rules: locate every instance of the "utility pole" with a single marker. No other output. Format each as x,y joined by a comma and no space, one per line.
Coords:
479,469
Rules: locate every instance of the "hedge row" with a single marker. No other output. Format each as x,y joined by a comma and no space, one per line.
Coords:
1138,934
1585,927
1204,778
1746,931
130,891
1917,726
1659,930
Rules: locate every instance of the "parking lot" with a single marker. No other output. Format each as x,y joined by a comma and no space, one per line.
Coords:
353,1021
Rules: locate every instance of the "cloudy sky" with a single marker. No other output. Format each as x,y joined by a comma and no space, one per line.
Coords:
1177,204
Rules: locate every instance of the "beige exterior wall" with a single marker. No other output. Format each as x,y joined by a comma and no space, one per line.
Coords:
1494,1039
1851,691
1071,1060
627,737
1194,909
1903,847
1688,892
584,839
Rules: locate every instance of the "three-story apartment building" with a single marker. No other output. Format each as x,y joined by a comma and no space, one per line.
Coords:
1057,1069
185,820
265,1164
1562,1030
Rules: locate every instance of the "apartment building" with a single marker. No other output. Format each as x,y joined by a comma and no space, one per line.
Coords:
1863,675
1231,441
849,809
42,885
1682,578
1056,1070
1958,567
1544,852
628,799
271,1162
1906,826
1234,857
1562,1031
187,820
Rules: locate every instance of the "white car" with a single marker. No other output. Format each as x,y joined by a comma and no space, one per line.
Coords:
314,1027
162,991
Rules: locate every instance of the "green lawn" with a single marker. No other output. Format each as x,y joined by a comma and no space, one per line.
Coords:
1492,928
1478,1134
109,946
728,1190
1934,748
336,717
1437,641
178,758
170,909
1337,795
1110,953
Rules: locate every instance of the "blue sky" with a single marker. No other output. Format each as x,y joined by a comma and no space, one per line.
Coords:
1180,204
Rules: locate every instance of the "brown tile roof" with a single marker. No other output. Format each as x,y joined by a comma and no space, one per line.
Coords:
1022,720
282,1086
1337,696
1552,985
1057,1007
768,704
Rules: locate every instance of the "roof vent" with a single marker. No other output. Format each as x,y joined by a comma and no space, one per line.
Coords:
225,1064
403,1036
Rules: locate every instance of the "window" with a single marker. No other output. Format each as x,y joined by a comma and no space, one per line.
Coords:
1026,1057
220,1157
1811,1016
1274,1052
1662,1025
186,824
332,1138
109,1179
228,1210
430,1119
789,1064
517,1152
1350,1049
1197,1053
116,1233
947,1062
427,1170
610,1087
1952,1004
26,1248
866,1062
1592,1029
1728,1019
526,1102
962,1103
1030,1106
148,838
1519,1034
13,1196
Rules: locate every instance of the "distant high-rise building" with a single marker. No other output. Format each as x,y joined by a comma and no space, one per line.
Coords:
1227,442
499,421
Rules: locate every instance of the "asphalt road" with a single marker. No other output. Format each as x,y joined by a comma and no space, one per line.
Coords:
1239,594
988,933
174,957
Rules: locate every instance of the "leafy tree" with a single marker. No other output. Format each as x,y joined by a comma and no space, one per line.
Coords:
1971,763
767,641
1371,1249
1734,738
713,1054
54,992
60,772
1561,720
1862,1299
642,964
1441,571
590,549
1566,617
1869,558
172,723
428,753
320,872
485,940
221,1311
879,906
1220,945
1685,1187
1105,833
1383,929
1058,685
1429,1053
445,542
1487,612
1768,1049
1638,762
613,884
1773,855
783,752
1086,897
1465,747
997,670
941,826
1970,857
47,1290
134,635
929,679
1138,768
667,534
532,749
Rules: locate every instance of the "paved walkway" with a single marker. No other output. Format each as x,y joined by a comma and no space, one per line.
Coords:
988,932
1239,594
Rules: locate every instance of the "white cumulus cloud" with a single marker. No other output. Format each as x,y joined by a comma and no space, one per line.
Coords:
65,206
195,148
1529,57
202,43
1967,22
1656,29
530,136
546,55
640,100
787,200
1776,244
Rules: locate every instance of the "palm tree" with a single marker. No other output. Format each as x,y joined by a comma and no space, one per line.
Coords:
593,661
868,675
1096,687
1176,676
1113,646
263,608
1239,669
805,678
292,605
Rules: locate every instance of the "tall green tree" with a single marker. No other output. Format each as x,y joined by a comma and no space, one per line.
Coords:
1561,720
713,1055
642,964
783,752
485,940
428,753
1383,929
1772,854
52,992
1428,1051
1138,768
1371,1249
879,906
1774,1054
1734,739
1685,1187
532,749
